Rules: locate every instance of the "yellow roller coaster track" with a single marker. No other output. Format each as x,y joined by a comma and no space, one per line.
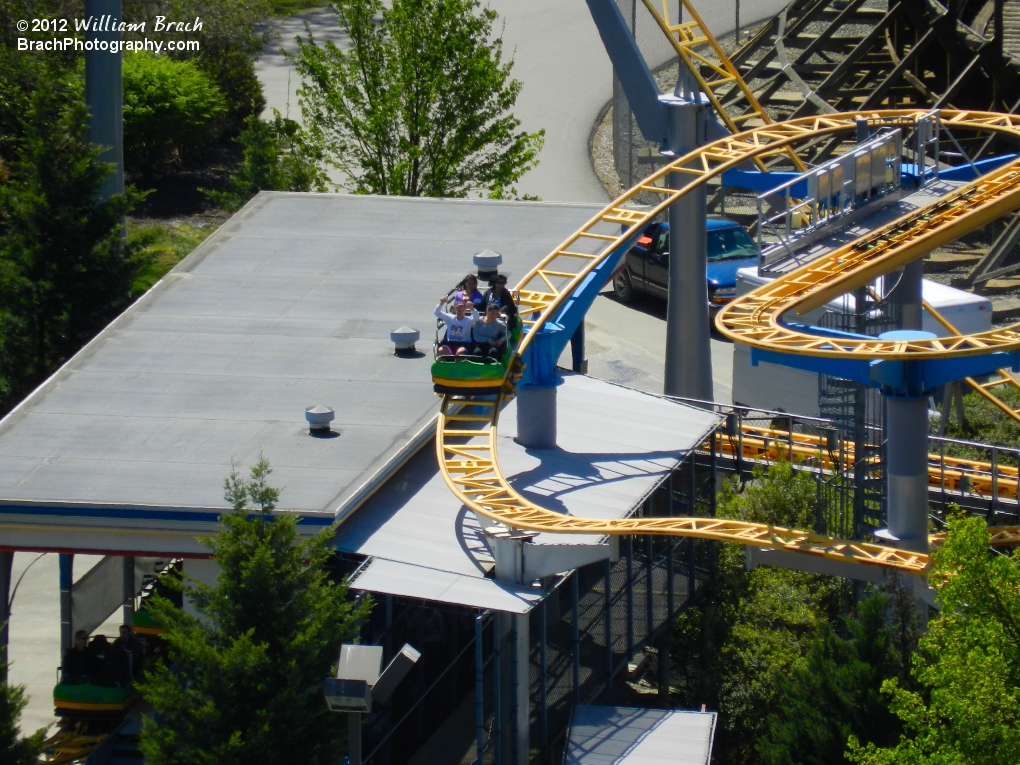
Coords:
769,444
466,439
984,389
693,41
689,40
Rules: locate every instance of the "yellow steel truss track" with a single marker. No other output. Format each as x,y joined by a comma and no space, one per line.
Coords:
689,40
471,469
755,319
984,389
769,444
466,438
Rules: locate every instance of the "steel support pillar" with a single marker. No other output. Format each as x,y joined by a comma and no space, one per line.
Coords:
479,689
688,349
665,646
129,589
103,96
66,563
907,470
517,627
6,567
907,295
522,688
536,417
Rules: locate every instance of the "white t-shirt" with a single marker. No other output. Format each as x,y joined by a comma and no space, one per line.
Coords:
458,330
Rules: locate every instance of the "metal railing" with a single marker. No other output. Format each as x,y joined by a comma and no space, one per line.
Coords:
833,190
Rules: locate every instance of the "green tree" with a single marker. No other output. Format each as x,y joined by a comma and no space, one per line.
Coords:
64,269
276,158
172,109
242,681
14,749
836,693
420,104
747,628
967,711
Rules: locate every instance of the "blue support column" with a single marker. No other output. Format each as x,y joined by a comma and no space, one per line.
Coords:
479,690
6,566
536,395
66,562
578,362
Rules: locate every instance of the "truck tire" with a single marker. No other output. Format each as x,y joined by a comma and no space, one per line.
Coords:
622,287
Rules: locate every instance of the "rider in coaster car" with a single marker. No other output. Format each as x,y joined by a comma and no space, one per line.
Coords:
458,327
489,334
499,294
75,664
467,291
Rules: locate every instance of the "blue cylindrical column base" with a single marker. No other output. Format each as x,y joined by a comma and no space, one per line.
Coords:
536,416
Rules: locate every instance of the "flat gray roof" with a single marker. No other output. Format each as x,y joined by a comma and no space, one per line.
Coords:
628,736
614,446
288,305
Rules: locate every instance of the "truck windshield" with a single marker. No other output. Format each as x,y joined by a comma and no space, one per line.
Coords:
730,244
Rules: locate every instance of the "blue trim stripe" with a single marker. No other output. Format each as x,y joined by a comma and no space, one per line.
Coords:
124,513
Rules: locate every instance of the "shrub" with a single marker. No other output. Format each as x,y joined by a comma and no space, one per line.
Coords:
171,110
233,71
277,157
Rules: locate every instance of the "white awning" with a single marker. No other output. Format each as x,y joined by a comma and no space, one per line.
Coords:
402,579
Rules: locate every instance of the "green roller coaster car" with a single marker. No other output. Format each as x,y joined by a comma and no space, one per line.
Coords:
144,623
469,376
90,699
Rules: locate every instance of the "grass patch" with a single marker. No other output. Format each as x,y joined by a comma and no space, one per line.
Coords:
162,246
986,424
290,7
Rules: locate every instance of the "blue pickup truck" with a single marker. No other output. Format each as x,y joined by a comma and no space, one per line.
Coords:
646,265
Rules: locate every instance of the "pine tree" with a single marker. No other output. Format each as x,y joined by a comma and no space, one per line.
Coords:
242,683
65,271
15,750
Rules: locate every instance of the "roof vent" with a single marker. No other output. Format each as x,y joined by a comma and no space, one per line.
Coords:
403,340
319,418
488,263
